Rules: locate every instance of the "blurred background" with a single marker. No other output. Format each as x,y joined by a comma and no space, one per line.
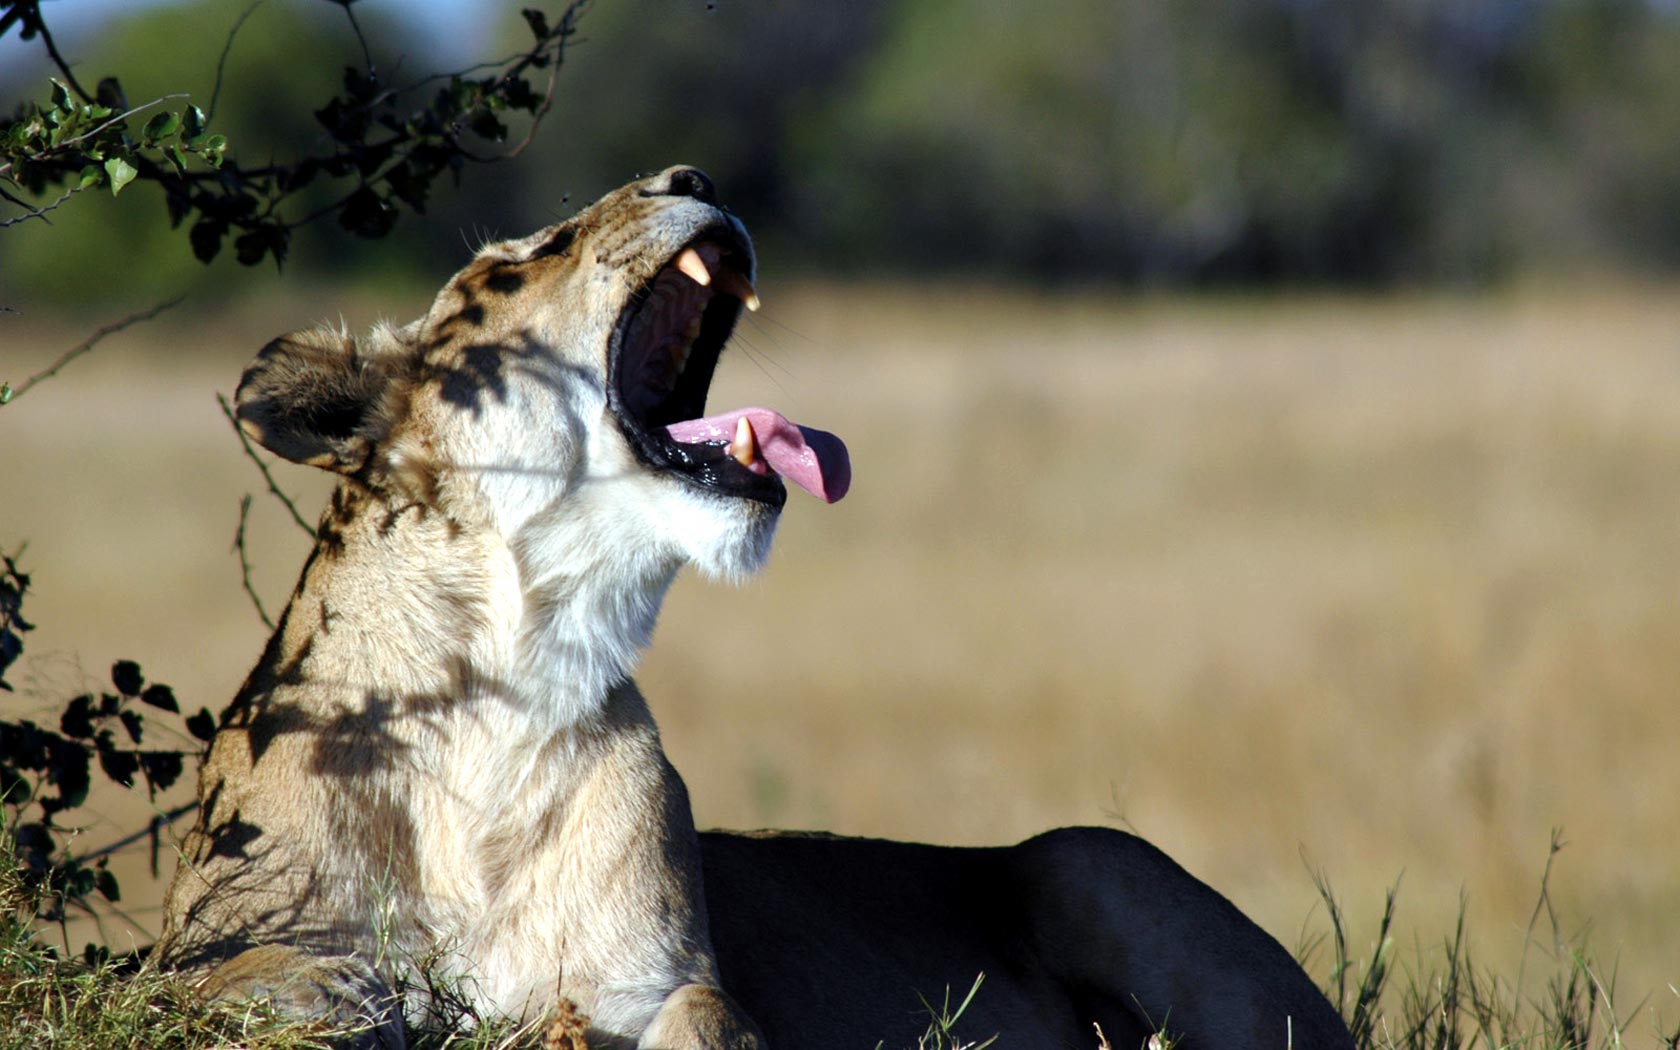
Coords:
1264,415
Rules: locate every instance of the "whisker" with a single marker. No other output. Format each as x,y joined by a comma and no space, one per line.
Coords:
760,360
761,354
760,320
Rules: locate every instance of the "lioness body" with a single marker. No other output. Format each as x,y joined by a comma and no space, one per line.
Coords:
440,763
836,942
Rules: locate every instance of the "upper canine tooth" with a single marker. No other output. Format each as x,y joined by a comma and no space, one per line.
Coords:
737,285
690,263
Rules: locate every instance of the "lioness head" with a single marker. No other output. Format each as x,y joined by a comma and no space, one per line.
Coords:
558,384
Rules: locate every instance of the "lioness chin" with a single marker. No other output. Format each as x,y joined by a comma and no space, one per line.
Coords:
440,761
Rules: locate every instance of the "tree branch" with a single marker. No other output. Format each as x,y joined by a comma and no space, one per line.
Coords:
32,212
221,63
90,342
245,562
32,16
356,27
233,421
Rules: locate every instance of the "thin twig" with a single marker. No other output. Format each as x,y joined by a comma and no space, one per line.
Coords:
554,48
221,63
367,56
233,421
245,562
91,341
52,49
466,71
537,115
559,36
31,212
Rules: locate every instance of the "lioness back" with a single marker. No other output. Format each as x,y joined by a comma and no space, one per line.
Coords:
832,942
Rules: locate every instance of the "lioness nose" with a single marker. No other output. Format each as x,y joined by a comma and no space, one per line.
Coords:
689,182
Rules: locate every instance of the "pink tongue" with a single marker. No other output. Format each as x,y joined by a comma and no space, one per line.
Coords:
815,460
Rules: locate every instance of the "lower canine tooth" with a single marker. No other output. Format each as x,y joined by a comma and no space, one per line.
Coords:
744,449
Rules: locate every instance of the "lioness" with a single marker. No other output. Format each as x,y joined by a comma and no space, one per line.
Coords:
441,759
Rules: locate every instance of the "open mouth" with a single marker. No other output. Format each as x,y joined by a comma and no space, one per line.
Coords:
663,354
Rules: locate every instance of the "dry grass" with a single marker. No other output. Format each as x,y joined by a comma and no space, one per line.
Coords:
1389,582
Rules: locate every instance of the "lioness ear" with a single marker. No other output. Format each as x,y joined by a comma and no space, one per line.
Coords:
310,397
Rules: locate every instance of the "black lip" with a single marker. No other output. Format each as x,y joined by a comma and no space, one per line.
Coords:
707,465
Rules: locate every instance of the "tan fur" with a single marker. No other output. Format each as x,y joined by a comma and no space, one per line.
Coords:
441,764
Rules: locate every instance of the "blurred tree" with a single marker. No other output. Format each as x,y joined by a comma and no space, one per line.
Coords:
723,86
1187,141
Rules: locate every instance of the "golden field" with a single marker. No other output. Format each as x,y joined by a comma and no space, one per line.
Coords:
1389,584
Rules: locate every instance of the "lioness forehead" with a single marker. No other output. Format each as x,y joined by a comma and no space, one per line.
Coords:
608,251
616,231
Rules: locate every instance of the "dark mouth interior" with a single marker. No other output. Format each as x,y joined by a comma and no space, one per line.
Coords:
662,358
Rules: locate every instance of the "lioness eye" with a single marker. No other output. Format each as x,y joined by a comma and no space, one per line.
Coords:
557,244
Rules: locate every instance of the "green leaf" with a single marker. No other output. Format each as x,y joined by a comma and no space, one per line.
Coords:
192,124
109,92
485,125
5,393
536,20
60,96
366,214
122,173
91,176
206,238
161,126
172,153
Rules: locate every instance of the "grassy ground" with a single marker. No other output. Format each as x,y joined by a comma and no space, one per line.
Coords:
1389,584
